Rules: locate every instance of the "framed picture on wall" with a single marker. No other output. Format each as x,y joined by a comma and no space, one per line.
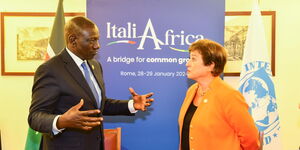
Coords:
236,26
24,40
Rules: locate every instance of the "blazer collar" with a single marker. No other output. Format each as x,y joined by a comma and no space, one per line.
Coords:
97,72
193,90
76,74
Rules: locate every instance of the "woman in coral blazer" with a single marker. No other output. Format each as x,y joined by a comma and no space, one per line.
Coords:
214,116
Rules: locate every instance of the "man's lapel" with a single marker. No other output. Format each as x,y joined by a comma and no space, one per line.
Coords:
97,72
76,73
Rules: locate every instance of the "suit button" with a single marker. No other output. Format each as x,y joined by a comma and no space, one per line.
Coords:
191,138
191,126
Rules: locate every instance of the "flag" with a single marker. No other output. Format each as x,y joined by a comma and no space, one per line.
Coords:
56,40
33,140
56,44
256,82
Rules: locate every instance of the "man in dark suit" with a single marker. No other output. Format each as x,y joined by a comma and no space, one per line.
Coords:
68,94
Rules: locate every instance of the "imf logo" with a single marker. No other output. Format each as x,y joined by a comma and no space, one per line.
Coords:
258,90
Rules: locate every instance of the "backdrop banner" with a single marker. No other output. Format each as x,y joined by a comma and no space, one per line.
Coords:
144,45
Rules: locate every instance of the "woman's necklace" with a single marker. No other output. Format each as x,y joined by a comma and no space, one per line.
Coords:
201,92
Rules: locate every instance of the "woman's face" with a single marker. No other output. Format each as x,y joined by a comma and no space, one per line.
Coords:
196,68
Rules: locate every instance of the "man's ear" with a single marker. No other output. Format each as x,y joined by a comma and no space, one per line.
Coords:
72,39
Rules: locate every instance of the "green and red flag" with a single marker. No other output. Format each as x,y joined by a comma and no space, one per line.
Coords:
56,44
56,40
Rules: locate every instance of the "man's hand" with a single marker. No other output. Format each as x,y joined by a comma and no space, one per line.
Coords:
74,118
141,102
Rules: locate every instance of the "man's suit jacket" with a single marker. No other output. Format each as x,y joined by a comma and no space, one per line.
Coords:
221,121
59,85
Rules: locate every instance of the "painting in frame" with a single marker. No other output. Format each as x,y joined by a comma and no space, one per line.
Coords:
236,25
24,40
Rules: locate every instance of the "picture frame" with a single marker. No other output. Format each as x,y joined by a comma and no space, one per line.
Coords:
24,40
235,31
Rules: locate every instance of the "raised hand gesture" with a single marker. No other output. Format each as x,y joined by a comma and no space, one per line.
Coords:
141,102
74,118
